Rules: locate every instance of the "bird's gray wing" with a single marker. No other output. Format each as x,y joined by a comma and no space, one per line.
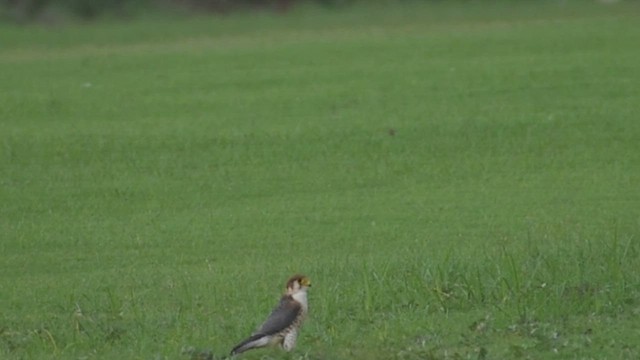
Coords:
281,317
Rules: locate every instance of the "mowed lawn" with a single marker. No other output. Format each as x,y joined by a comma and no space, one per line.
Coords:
459,181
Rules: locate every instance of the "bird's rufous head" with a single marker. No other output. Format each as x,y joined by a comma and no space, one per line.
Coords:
298,282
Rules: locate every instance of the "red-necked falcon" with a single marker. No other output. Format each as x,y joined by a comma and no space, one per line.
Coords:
282,326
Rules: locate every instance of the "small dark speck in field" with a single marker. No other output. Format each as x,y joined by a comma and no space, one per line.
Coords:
479,326
391,132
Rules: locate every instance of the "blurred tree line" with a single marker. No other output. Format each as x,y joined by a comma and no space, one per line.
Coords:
28,10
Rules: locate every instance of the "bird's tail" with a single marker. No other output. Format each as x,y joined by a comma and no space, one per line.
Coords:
255,341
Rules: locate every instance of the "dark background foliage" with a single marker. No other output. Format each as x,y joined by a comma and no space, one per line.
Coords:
31,10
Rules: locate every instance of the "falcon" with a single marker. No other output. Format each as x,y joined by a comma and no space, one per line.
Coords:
282,326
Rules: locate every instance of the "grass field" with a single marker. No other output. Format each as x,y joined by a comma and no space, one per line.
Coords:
460,181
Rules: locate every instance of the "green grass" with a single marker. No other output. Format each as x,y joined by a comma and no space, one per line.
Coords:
460,181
